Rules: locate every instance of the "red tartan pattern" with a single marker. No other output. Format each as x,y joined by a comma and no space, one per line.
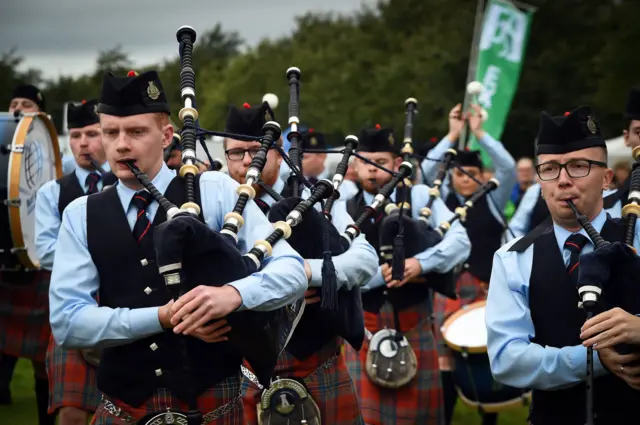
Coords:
330,387
72,381
223,393
24,316
469,290
418,403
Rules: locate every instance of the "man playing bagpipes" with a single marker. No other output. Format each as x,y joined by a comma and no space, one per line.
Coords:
313,357
159,358
547,284
484,224
72,380
396,372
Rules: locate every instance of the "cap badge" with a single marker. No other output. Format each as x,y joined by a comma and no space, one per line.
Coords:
591,125
313,141
267,116
152,91
391,139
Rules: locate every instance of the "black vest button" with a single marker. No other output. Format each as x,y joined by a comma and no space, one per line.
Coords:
158,372
153,346
148,290
144,262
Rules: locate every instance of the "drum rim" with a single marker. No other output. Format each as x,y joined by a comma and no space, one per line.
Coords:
464,310
497,407
15,161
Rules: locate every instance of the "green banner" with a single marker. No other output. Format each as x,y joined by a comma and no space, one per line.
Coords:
501,51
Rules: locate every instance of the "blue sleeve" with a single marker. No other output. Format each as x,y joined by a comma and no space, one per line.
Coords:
504,165
357,265
455,246
47,223
282,278
514,359
429,167
521,220
76,319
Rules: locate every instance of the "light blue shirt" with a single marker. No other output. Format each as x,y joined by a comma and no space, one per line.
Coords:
348,190
514,359
520,223
68,164
355,266
48,218
78,322
504,171
454,248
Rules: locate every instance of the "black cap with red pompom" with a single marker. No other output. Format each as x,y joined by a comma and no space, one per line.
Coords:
572,132
82,115
134,94
248,120
377,139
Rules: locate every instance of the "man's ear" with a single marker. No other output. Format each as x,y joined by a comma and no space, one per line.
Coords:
167,135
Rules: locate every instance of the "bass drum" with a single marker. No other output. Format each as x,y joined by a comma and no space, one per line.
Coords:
29,157
466,334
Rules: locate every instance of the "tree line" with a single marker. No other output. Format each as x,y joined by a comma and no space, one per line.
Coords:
357,70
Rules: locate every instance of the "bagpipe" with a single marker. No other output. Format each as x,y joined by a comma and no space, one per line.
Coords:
189,253
610,268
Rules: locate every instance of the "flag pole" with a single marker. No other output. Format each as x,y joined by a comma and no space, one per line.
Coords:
473,63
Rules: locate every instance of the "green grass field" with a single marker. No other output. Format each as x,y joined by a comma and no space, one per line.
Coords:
23,411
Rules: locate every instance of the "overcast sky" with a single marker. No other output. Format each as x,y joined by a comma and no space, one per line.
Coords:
64,36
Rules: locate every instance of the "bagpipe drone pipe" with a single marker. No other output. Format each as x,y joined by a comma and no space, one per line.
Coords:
611,269
189,253
401,237
340,311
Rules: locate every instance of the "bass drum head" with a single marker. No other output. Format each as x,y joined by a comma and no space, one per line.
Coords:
465,329
34,160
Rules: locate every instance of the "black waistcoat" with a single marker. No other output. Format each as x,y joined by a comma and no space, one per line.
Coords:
557,319
406,296
485,234
70,188
134,371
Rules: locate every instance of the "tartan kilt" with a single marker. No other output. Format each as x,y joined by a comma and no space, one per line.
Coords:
330,386
421,401
24,316
226,392
469,290
72,381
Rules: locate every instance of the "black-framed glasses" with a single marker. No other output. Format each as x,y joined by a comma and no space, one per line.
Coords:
237,154
576,168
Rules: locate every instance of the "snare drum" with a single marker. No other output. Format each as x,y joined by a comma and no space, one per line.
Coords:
29,157
466,334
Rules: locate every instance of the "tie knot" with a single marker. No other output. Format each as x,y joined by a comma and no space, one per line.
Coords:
142,199
92,178
575,243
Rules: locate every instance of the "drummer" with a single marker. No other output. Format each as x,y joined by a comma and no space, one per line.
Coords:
72,381
485,224
29,99
24,303
532,317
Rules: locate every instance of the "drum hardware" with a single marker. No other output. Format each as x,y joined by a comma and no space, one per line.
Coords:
30,157
464,332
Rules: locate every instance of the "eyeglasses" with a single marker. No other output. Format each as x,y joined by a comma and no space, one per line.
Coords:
237,154
576,168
